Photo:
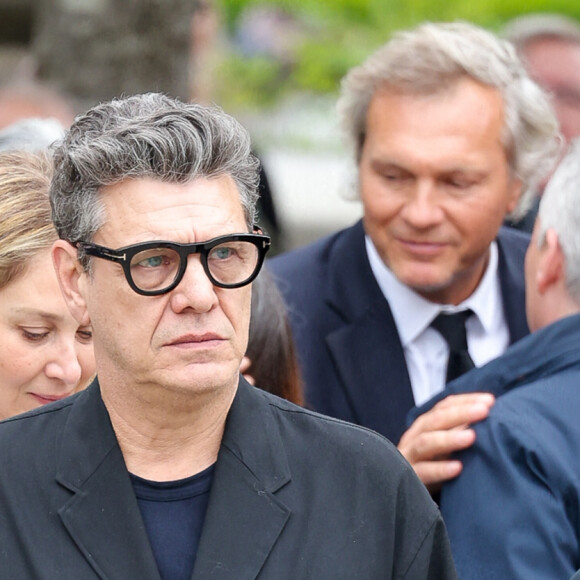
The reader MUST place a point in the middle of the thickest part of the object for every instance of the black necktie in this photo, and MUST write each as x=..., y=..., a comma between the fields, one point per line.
x=452, y=329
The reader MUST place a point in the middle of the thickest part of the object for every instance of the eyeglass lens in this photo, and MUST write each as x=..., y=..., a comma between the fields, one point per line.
x=228, y=263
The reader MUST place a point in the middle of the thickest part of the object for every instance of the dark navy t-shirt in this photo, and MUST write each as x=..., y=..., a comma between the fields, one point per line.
x=173, y=512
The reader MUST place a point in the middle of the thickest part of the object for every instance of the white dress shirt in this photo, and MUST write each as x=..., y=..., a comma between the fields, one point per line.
x=426, y=351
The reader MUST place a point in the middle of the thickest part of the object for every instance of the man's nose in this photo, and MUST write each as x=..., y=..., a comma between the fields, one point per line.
x=423, y=208
x=195, y=290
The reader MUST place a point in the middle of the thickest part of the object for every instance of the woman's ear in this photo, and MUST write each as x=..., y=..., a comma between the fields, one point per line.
x=71, y=278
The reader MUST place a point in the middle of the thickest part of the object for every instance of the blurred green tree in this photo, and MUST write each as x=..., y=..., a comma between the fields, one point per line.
x=337, y=34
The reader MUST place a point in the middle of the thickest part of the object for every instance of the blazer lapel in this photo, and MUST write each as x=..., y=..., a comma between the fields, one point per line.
x=244, y=518
x=511, y=256
x=370, y=360
x=102, y=515
x=366, y=347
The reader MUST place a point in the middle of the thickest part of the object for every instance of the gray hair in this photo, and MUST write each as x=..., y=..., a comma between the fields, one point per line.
x=149, y=135
x=31, y=134
x=560, y=210
x=427, y=59
x=531, y=27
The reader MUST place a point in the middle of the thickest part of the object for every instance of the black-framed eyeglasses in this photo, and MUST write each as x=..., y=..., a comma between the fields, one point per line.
x=157, y=267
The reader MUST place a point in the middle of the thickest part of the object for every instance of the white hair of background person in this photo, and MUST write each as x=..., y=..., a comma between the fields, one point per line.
x=560, y=210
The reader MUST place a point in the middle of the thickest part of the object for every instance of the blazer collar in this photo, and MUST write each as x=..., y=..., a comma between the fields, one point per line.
x=351, y=288
x=244, y=517
x=353, y=293
x=511, y=255
x=102, y=515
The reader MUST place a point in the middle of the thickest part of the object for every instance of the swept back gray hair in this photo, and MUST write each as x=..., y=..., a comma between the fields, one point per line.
x=560, y=210
x=149, y=135
x=431, y=57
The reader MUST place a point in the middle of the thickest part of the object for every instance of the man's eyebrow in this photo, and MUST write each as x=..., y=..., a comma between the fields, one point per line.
x=388, y=164
x=470, y=171
x=383, y=165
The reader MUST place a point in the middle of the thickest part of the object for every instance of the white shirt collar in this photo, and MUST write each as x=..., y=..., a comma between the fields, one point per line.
x=413, y=313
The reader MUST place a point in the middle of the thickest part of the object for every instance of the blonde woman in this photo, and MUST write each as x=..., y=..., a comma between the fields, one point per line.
x=44, y=354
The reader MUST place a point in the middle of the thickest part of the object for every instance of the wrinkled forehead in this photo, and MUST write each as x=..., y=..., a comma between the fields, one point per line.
x=145, y=208
x=462, y=105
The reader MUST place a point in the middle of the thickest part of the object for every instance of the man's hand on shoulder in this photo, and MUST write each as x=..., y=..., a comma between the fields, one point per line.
x=435, y=435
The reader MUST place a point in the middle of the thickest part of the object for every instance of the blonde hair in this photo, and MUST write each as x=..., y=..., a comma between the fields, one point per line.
x=25, y=226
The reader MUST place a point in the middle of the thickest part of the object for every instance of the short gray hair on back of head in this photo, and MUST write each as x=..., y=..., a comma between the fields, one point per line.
x=560, y=210
x=427, y=59
x=145, y=136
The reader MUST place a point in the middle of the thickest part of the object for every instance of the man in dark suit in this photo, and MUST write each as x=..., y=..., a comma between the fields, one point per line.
x=449, y=136
x=170, y=465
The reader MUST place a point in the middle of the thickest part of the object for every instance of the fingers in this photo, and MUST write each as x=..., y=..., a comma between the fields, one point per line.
x=454, y=411
x=429, y=454
x=435, y=435
x=433, y=445
x=434, y=473
x=467, y=398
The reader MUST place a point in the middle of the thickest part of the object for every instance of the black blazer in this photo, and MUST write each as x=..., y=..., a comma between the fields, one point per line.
x=349, y=348
x=294, y=495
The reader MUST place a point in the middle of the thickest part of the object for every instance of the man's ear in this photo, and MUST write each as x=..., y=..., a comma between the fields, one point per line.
x=514, y=194
x=71, y=278
x=551, y=266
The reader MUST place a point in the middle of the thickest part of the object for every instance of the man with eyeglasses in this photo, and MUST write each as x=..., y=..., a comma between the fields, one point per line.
x=170, y=465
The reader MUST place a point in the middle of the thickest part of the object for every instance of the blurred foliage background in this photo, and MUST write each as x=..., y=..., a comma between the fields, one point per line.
x=275, y=64
x=322, y=39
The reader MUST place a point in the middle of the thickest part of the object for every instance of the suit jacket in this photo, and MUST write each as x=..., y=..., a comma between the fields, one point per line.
x=514, y=511
x=348, y=345
x=294, y=495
